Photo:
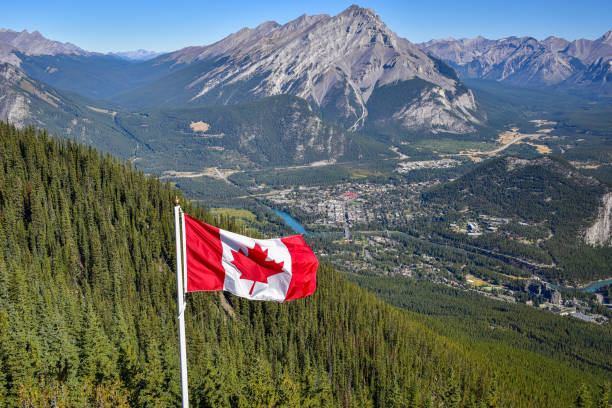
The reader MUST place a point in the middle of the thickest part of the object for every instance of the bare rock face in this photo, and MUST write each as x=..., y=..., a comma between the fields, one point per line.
x=461, y=51
x=14, y=106
x=7, y=54
x=597, y=76
x=434, y=111
x=599, y=232
x=589, y=51
x=35, y=44
x=335, y=63
x=555, y=44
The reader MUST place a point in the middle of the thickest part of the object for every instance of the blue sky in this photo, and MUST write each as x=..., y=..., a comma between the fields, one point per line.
x=113, y=25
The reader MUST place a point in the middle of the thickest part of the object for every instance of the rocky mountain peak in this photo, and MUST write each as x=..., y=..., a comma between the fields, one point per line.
x=555, y=44
x=14, y=106
x=10, y=73
x=606, y=38
x=335, y=63
x=35, y=43
x=357, y=11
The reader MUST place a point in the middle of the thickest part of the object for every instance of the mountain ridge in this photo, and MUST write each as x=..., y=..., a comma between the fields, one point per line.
x=579, y=64
x=32, y=44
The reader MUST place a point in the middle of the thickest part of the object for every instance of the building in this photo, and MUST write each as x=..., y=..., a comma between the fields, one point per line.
x=555, y=298
x=347, y=232
x=584, y=317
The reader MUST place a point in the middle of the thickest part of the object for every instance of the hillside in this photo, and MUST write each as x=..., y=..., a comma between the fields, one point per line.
x=93, y=76
x=544, y=200
x=87, y=311
x=270, y=131
x=278, y=130
x=26, y=101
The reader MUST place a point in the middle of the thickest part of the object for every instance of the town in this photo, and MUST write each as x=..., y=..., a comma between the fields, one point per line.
x=358, y=226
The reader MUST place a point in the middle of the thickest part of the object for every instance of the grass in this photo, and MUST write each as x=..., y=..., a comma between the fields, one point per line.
x=474, y=281
x=241, y=215
x=360, y=173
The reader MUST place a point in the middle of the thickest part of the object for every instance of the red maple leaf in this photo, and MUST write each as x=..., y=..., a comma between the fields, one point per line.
x=253, y=265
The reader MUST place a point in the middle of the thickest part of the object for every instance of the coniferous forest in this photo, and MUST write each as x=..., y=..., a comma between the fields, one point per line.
x=88, y=313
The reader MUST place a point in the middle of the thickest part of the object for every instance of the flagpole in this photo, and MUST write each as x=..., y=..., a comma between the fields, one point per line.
x=180, y=297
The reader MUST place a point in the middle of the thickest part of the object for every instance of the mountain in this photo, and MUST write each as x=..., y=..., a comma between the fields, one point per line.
x=137, y=55
x=589, y=51
x=7, y=54
x=597, y=77
x=518, y=60
x=344, y=66
x=34, y=44
x=88, y=313
x=279, y=130
x=580, y=64
x=68, y=67
x=13, y=105
x=335, y=63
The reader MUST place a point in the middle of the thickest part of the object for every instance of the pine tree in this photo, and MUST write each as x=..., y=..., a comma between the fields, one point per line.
x=604, y=396
x=583, y=400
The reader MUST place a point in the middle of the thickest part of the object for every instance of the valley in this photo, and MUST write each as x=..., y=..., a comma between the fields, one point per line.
x=377, y=216
x=363, y=226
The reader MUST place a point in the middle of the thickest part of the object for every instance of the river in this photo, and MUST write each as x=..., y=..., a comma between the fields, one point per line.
x=590, y=288
x=299, y=228
x=291, y=222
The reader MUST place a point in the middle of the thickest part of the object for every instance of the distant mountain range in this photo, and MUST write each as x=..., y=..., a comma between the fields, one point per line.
x=581, y=64
x=137, y=55
x=34, y=43
x=345, y=73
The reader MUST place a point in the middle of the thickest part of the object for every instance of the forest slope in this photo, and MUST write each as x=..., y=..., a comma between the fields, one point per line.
x=87, y=312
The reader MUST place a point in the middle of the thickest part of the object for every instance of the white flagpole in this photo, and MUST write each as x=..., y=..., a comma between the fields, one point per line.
x=184, y=253
x=180, y=297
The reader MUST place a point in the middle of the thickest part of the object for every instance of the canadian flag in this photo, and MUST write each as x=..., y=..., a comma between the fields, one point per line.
x=279, y=269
